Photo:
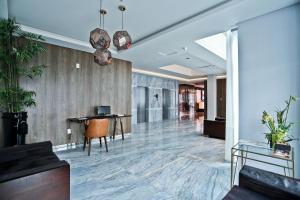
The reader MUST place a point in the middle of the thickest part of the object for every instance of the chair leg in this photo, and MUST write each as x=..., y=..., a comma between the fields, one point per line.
x=90, y=146
x=100, y=142
x=115, y=126
x=84, y=143
x=105, y=144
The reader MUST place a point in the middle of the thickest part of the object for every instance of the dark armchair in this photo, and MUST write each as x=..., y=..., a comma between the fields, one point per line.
x=215, y=128
x=33, y=171
x=259, y=184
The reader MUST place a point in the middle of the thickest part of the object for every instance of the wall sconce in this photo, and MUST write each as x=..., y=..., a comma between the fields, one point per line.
x=77, y=66
x=156, y=96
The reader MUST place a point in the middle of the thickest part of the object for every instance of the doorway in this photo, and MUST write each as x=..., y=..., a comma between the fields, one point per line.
x=141, y=93
x=166, y=104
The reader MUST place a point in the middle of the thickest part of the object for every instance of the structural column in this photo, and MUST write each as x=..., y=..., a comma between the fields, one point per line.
x=232, y=93
x=211, y=97
x=3, y=9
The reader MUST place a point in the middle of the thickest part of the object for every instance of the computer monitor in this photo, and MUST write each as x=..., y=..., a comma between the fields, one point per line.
x=102, y=110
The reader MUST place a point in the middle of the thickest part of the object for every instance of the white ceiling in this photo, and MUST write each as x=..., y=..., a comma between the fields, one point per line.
x=157, y=27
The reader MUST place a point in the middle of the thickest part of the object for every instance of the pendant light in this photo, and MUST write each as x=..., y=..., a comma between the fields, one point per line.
x=99, y=38
x=122, y=39
x=102, y=57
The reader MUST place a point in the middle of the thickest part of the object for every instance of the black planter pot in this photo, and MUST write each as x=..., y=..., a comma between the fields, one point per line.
x=271, y=145
x=15, y=128
x=283, y=148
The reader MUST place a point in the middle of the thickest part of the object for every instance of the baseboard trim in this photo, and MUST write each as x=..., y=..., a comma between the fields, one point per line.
x=70, y=146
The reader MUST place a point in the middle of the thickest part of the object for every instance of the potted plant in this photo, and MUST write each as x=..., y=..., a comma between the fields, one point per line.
x=278, y=137
x=16, y=49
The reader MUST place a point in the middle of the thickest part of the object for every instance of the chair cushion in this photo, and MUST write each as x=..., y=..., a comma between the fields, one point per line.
x=23, y=151
x=24, y=160
x=28, y=162
x=240, y=193
x=268, y=183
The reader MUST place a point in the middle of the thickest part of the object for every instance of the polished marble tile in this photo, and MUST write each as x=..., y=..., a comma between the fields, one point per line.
x=160, y=160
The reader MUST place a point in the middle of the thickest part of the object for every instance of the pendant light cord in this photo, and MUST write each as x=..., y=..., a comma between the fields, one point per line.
x=122, y=20
x=103, y=21
x=100, y=13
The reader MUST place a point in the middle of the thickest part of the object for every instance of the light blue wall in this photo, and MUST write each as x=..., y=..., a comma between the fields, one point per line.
x=269, y=71
x=155, y=85
x=3, y=9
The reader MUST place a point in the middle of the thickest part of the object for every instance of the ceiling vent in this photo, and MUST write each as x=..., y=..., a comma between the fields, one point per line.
x=181, y=70
x=210, y=69
x=170, y=53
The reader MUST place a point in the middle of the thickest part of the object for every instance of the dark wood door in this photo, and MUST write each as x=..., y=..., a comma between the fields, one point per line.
x=221, y=98
x=205, y=99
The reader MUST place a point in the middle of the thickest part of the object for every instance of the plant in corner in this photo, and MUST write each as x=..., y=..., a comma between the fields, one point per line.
x=17, y=48
x=279, y=129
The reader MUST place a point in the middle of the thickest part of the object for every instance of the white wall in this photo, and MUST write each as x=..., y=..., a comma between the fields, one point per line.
x=269, y=71
x=3, y=9
x=211, y=97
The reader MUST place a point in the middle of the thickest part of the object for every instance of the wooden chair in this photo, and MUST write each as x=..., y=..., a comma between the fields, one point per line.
x=96, y=128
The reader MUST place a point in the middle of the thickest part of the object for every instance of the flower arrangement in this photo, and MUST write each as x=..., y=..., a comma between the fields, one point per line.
x=279, y=129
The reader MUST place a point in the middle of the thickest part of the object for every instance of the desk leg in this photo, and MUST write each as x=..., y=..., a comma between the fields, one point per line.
x=69, y=136
x=122, y=131
x=293, y=170
x=235, y=170
x=115, y=126
x=231, y=169
x=293, y=165
x=245, y=159
x=242, y=158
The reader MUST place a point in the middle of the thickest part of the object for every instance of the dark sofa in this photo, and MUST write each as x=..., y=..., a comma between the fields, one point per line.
x=215, y=128
x=257, y=184
x=33, y=171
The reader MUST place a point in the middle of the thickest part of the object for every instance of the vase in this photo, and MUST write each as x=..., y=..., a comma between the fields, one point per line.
x=283, y=148
x=271, y=144
x=15, y=128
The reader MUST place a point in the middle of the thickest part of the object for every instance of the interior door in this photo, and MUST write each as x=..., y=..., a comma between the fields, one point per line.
x=141, y=104
x=166, y=103
x=221, y=98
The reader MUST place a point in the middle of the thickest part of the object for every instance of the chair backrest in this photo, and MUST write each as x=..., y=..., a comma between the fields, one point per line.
x=97, y=128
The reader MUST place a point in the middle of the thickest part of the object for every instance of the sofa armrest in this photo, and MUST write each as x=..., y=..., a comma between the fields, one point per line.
x=272, y=185
x=214, y=129
x=27, y=172
x=50, y=183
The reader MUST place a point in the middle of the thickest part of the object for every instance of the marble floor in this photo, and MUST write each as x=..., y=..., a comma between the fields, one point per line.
x=162, y=160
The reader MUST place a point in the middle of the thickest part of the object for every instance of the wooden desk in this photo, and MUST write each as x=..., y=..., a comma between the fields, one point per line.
x=114, y=117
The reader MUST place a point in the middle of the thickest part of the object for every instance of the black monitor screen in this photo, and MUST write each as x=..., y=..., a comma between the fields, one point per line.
x=102, y=110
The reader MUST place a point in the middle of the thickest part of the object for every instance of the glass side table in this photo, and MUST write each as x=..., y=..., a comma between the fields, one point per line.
x=262, y=153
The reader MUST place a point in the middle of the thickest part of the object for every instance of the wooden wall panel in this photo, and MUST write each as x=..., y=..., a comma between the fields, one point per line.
x=64, y=91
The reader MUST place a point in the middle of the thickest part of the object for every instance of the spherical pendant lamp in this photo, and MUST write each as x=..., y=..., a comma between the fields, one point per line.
x=122, y=39
x=99, y=39
x=102, y=57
